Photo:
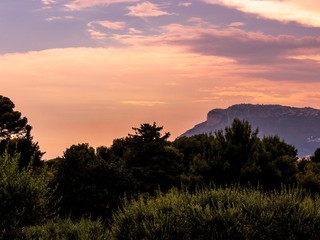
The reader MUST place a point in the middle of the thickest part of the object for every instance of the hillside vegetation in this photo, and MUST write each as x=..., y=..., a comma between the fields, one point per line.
x=231, y=184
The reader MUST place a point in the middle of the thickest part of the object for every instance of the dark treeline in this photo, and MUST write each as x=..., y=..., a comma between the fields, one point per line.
x=88, y=183
x=92, y=183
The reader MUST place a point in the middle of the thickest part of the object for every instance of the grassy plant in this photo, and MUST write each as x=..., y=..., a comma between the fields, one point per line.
x=66, y=229
x=220, y=213
x=25, y=197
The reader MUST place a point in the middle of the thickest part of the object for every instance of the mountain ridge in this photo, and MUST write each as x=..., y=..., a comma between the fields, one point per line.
x=297, y=126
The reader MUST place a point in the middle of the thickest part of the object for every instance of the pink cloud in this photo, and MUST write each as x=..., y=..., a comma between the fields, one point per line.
x=96, y=35
x=303, y=12
x=143, y=103
x=292, y=70
x=146, y=9
x=237, y=24
x=185, y=4
x=48, y=2
x=200, y=22
x=134, y=31
x=55, y=18
x=247, y=48
x=80, y=4
x=108, y=24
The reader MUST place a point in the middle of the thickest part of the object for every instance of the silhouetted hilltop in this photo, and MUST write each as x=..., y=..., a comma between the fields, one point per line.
x=297, y=126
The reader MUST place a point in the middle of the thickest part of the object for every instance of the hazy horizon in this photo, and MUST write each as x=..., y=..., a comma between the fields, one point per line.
x=86, y=71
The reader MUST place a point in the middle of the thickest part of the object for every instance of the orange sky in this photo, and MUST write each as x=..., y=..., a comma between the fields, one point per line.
x=96, y=95
x=172, y=74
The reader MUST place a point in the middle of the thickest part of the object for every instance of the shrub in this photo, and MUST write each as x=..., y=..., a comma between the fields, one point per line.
x=25, y=197
x=63, y=229
x=220, y=213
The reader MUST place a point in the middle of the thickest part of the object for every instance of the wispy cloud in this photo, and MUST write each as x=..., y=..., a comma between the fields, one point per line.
x=273, y=53
x=315, y=58
x=134, y=31
x=48, y=2
x=146, y=9
x=303, y=12
x=237, y=24
x=54, y=18
x=96, y=35
x=185, y=4
x=198, y=21
x=243, y=46
x=108, y=24
x=101, y=30
x=143, y=103
x=80, y=4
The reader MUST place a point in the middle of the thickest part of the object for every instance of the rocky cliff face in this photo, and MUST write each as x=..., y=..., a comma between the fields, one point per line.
x=297, y=126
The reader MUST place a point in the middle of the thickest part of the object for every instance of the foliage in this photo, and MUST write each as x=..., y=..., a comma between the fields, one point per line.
x=237, y=145
x=200, y=160
x=90, y=185
x=220, y=213
x=25, y=197
x=150, y=158
x=65, y=229
x=11, y=122
x=309, y=172
x=316, y=156
x=237, y=154
x=15, y=135
x=29, y=151
x=71, y=173
x=278, y=161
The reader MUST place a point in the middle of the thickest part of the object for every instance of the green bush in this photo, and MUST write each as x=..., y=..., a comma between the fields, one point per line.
x=63, y=229
x=25, y=197
x=220, y=213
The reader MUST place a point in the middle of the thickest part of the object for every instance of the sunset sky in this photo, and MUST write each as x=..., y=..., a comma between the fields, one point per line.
x=87, y=71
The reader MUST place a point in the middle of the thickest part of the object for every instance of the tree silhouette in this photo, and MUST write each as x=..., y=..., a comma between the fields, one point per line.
x=153, y=162
x=15, y=135
x=11, y=122
x=316, y=156
x=237, y=145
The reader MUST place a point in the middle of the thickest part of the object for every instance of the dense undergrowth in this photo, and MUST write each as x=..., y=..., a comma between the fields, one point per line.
x=231, y=212
x=212, y=212
x=65, y=229
x=220, y=213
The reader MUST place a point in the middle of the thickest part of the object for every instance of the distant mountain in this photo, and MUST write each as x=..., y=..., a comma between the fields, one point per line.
x=297, y=126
